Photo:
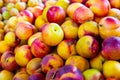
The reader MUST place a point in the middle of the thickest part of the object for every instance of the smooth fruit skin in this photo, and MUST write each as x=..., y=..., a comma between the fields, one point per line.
x=39, y=48
x=8, y=61
x=78, y=16
x=87, y=46
x=37, y=11
x=115, y=3
x=11, y=39
x=100, y=9
x=69, y=72
x=109, y=26
x=23, y=55
x=51, y=61
x=79, y=1
x=111, y=69
x=92, y=74
x=63, y=3
x=5, y=47
x=33, y=66
x=25, y=15
x=97, y=62
x=88, y=28
x=6, y=75
x=36, y=76
x=81, y=63
x=56, y=14
x=50, y=75
x=33, y=37
x=66, y=48
x=21, y=76
x=24, y=30
x=70, y=29
x=52, y=34
x=114, y=12
x=111, y=48
x=71, y=9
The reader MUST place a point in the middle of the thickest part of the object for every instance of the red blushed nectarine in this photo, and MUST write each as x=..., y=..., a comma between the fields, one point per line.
x=39, y=49
x=36, y=76
x=68, y=72
x=66, y=48
x=8, y=61
x=111, y=48
x=56, y=14
x=87, y=46
x=51, y=61
x=99, y=7
x=23, y=55
x=52, y=34
x=6, y=75
x=26, y=15
x=78, y=16
x=33, y=66
x=109, y=26
x=24, y=30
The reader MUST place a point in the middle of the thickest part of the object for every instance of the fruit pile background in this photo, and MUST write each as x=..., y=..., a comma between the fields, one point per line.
x=59, y=39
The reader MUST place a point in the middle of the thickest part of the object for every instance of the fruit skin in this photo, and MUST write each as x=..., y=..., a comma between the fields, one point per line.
x=51, y=61
x=8, y=61
x=11, y=39
x=92, y=74
x=32, y=3
x=52, y=34
x=114, y=12
x=100, y=9
x=44, y=13
x=87, y=46
x=23, y=55
x=109, y=26
x=69, y=72
x=115, y=3
x=39, y=22
x=37, y=11
x=11, y=23
x=6, y=75
x=21, y=76
x=24, y=30
x=111, y=68
x=70, y=29
x=80, y=1
x=88, y=28
x=33, y=37
x=63, y=3
x=14, y=12
x=39, y=49
x=20, y=6
x=5, y=47
x=51, y=74
x=33, y=66
x=111, y=79
x=71, y=9
x=56, y=14
x=50, y=3
x=25, y=15
x=97, y=62
x=66, y=48
x=110, y=48
x=78, y=16
x=36, y=76
x=81, y=63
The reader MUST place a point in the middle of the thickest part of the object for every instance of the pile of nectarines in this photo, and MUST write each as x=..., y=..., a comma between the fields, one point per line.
x=59, y=39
